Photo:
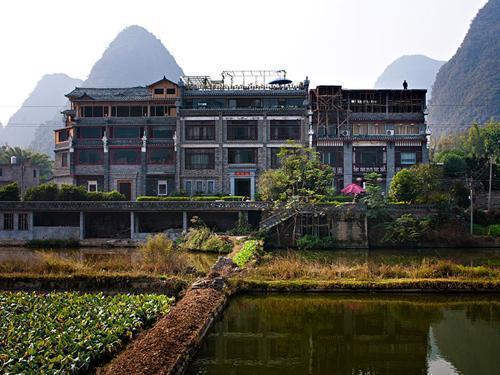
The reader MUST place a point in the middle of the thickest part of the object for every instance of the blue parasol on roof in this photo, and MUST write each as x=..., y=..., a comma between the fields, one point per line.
x=280, y=81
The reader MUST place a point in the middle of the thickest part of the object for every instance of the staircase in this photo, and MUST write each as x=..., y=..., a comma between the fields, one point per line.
x=276, y=219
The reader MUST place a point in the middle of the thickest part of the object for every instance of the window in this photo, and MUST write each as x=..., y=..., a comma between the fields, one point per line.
x=406, y=129
x=188, y=187
x=333, y=157
x=92, y=186
x=125, y=156
x=285, y=129
x=90, y=157
x=369, y=157
x=376, y=129
x=129, y=111
x=199, y=158
x=210, y=187
x=199, y=187
x=22, y=222
x=159, y=91
x=62, y=135
x=34, y=173
x=90, y=132
x=162, y=187
x=275, y=160
x=94, y=111
x=1, y=172
x=126, y=132
x=242, y=155
x=245, y=103
x=408, y=158
x=162, y=132
x=64, y=159
x=161, y=110
x=170, y=91
x=158, y=155
x=8, y=221
x=241, y=130
x=200, y=131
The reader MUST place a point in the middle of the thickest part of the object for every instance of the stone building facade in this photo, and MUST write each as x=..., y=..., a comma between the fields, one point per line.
x=230, y=134
x=119, y=139
x=214, y=136
x=22, y=173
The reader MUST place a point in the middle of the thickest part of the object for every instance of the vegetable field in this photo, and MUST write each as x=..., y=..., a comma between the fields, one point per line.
x=69, y=332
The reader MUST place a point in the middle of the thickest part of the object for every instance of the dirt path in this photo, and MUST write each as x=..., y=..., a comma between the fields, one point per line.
x=169, y=345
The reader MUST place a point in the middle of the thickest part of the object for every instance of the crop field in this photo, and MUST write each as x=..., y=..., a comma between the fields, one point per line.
x=69, y=332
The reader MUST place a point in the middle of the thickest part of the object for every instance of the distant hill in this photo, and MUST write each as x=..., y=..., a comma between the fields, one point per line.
x=418, y=70
x=42, y=104
x=467, y=88
x=134, y=58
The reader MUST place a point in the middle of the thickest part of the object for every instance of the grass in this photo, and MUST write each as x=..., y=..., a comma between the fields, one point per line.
x=294, y=266
x=381, y=285
x=248, y=251
x=69, y=332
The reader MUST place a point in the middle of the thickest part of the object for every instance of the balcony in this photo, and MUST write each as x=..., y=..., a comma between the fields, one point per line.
x=360, y=169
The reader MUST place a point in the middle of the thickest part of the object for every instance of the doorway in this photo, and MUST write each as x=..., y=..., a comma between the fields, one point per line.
x=242, y=187
x=125, y=188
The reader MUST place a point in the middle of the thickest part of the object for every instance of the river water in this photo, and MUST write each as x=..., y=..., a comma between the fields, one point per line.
x=354, y=334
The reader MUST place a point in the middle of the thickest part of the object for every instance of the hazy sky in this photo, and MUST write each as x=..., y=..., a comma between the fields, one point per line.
x=349, y=42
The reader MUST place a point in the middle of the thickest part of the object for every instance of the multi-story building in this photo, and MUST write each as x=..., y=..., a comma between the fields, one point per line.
x=362, y=131
x=119, y=139
x=230, y=133
x=217, y=136
x=23, y=173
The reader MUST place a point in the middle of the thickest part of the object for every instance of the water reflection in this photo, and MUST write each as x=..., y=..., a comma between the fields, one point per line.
x=354, y=335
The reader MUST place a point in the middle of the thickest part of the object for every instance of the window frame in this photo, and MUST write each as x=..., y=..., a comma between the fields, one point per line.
x=189, y=152
x=92, y=183
x=22, y=221
x=159, y=183
x=8, y=224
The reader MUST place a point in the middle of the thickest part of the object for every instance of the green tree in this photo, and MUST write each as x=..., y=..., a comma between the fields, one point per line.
x=374, y=197
x=38, y=160
x=419, y=184
x=9, y=192
x=404, y=187
x=301, y=177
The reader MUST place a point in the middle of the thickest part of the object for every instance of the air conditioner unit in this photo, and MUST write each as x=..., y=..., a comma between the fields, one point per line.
x=345, y=133
x=389, y=132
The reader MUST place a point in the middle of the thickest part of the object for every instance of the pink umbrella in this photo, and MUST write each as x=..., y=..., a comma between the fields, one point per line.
x=352, y=189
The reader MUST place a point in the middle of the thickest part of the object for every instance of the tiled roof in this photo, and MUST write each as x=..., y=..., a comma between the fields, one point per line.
x=110, y=94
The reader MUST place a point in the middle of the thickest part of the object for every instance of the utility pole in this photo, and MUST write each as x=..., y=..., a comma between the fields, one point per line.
x=489, y=185
x=471, y=207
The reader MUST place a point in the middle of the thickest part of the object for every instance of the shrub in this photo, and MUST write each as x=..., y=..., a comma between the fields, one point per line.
x=160, y=255
x=161, y=199
x=250, y=249
x=106, y=196
x=203, y=239
x=9, y=192
x=44, y=192
x=310, y=242
x=157, y=248
x=479, y=230
x=72, y=193
x=406, y=229
x=206, y=198
x=494, y=230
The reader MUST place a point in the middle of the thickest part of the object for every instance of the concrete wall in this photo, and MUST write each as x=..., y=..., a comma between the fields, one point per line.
x=56, y=233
